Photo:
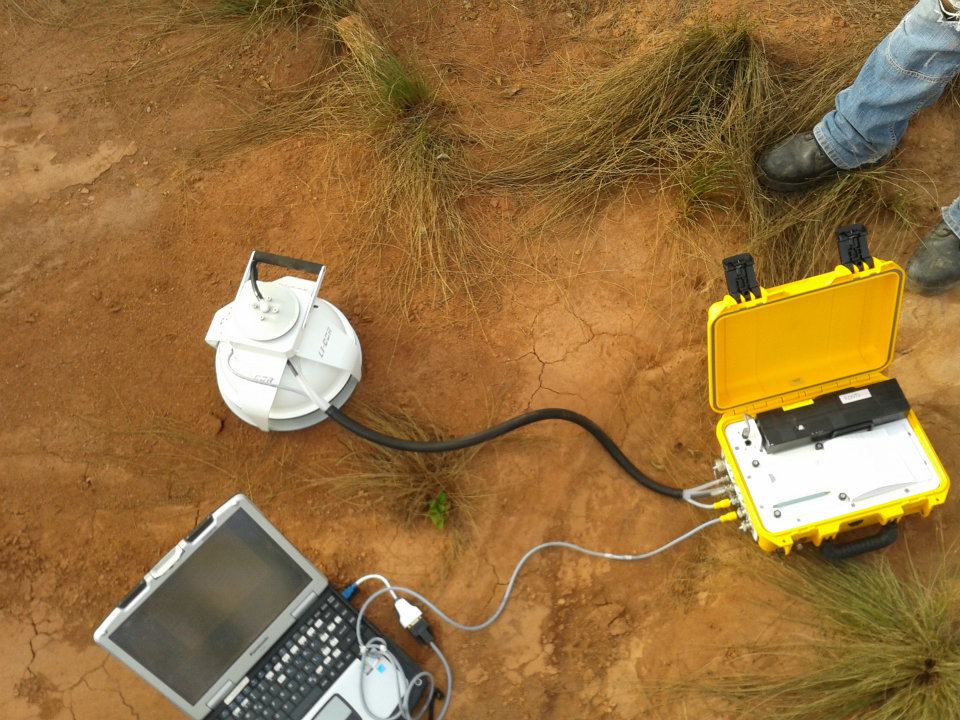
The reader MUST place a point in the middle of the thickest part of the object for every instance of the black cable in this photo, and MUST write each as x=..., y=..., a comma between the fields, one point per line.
x=502, y=429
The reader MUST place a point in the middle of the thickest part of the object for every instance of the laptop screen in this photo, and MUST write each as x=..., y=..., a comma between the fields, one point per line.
x=219, y=600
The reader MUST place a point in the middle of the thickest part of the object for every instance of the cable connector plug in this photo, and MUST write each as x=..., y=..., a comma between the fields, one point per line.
x=411, y=618
x=407, y=613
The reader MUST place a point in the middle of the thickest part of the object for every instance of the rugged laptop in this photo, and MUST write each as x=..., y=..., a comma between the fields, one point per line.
x=235, y=623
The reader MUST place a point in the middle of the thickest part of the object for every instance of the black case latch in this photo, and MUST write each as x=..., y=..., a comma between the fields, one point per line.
x=742, y=282
x=852, y=242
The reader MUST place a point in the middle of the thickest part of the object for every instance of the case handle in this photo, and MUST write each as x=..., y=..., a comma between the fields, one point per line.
x=835, y=552
x=279, y=261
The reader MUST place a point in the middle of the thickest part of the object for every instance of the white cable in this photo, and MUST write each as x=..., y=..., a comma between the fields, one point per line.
x=316, y=399
x=710, y=488
x=392, y=589
x=381, y=578
x=376, y=650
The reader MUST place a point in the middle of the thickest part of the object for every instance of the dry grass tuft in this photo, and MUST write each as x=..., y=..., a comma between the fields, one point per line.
x=279, y=13
x=415, y=187
x=184, y=41
x=418, y=183
x=879, y=646
x=620, y=124
x=440, y=487
x=693, y=116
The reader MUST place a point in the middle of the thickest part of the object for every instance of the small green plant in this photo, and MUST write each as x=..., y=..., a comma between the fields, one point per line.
x=877, y=645
x=439, y=510
x=441, y=487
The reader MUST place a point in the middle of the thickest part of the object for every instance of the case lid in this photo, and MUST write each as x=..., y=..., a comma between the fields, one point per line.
x=793, y=339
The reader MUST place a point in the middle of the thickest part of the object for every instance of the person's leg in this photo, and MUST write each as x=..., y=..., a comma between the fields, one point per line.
x=905, y=73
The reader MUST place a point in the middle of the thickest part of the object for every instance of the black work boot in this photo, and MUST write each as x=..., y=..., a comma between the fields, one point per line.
x=795, y=164
x=935, y=265
x=799, y=163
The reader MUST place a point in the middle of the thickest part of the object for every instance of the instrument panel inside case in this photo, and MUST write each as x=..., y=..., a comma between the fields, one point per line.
x=818, y=482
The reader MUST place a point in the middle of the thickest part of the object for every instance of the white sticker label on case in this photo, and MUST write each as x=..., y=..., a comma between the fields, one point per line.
x=854, y=396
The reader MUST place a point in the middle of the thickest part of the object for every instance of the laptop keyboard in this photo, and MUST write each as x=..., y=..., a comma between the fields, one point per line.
x=300, y=669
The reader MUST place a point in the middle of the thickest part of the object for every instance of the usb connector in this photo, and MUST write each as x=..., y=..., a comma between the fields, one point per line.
x=411, y=618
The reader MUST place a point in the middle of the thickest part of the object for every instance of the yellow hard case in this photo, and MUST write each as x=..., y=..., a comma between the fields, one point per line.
x=796, y=342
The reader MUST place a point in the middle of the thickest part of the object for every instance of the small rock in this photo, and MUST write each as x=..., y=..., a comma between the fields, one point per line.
x=511, y=91
x=84, y=191
x=211, y=424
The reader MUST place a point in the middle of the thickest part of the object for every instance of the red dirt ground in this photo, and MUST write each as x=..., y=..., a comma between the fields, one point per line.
x=120, y=245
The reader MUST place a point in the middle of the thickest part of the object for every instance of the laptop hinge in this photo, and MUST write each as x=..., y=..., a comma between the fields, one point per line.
x=302, y=607
x=220, y=695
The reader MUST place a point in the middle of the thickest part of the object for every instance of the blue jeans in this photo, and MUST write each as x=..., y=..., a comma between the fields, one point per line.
x=905, y=73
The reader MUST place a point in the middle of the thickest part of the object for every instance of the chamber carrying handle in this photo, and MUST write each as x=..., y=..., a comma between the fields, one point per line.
x=266, y=258
x=834, y=551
